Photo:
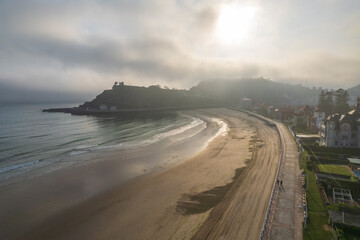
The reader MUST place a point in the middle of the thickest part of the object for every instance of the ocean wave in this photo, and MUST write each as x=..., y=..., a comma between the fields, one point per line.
x=196, y=122
x=75, y=153
x=116, y=146
x=223, y=129
x=83, y=149
x=14, y=167
x=74, y=141
x=39, y=136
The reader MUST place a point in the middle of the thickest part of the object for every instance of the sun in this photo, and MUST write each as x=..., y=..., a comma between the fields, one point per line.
x=235, y=23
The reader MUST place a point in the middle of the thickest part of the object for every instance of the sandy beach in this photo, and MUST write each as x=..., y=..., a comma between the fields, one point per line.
x=164, y=204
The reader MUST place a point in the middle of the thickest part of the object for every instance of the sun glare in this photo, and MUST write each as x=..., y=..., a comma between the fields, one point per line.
x=234, y=23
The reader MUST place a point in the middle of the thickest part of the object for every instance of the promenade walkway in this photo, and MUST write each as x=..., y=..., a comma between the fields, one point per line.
x=286, y=217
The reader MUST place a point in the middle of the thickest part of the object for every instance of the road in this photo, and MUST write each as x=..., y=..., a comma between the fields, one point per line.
x=286, y=217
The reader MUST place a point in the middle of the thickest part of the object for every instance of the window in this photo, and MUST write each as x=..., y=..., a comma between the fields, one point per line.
x=336, y=143
x=353, y=135
x=320, y=114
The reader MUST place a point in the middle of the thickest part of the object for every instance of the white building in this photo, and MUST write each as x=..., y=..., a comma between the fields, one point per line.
x=341, y=130
x=319, y=117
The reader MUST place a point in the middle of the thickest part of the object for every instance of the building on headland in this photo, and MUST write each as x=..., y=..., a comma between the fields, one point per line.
x=103, y=107
x=117, y=85
x=245, y=104
x=113, y=108
x=341, y=130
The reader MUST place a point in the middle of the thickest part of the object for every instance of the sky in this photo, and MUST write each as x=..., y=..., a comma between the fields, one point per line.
x=75, y=49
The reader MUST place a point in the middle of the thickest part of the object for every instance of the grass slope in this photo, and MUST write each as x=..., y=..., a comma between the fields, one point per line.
x=335, y=169
x=317, y=225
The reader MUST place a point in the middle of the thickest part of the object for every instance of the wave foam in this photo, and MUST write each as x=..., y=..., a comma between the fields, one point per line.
x=14, y=167
x=223, y=129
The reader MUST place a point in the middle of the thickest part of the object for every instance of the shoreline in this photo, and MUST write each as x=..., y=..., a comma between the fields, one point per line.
x=153, y=206
x=68, y=186
x=203, y=131
x=133, y=111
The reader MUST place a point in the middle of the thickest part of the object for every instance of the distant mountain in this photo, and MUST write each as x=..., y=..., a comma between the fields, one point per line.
x=355, y=91
x=259, y=89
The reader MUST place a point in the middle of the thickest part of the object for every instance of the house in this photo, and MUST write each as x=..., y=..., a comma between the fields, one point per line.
x=304, y=119
x=341, y=130
x=113, y=108
x=103, y=107
x=354, y=163
x=245, y=103
x=299, y=120
x=262, y=108
x=314, y=121
x=307, y=110
x=319, y=117
x=283, y=113
x=311, y=124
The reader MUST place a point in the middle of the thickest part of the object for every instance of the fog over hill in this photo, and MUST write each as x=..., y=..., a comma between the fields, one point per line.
x=355, y=91
x=260, y=90
x=206, y=93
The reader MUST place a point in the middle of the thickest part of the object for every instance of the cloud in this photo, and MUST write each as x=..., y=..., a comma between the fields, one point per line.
x=87, y=45
x=323, y=69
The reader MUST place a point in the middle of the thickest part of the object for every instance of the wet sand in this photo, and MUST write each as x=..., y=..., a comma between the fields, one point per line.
x=170, y=204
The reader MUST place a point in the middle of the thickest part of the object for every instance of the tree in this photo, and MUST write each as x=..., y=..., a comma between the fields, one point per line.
x=322, y=102
x=328, y=103
x=357, y=103
x=341, y=101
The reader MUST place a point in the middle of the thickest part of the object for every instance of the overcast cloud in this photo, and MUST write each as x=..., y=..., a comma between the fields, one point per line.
x=84, y=46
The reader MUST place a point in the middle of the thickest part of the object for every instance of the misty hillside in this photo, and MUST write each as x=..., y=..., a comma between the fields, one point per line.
x=354, y=91
x=133, y=97
x=206, y=93
x=260, y=90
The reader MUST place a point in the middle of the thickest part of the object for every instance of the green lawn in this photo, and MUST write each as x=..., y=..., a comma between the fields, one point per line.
x=336, y=169
x=317, y=225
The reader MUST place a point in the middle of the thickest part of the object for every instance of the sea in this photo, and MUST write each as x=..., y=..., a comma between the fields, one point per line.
x=31, y=139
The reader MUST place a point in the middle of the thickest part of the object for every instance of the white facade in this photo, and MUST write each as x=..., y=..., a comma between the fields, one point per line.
x=319, y=118
x=341, y=130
